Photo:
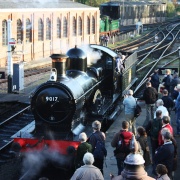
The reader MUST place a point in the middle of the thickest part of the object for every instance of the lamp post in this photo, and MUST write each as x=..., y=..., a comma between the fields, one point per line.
x=11, y=47
x=123, y=14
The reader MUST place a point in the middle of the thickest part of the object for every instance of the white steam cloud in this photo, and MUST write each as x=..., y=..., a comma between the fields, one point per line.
x=92, y=55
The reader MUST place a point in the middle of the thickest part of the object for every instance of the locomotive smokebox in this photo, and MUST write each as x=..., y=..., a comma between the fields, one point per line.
x=59, y=63
x=77, y=59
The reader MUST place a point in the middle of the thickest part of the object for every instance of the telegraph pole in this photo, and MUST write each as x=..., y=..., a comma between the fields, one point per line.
x=11, y=42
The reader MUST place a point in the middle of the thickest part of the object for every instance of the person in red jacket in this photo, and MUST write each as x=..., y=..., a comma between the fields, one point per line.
x=124, y=135
x=166, y=124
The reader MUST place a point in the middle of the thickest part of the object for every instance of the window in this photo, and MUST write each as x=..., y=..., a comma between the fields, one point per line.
x=19, y=31
x=4, y=33
x=28, y=31
x=58, y=28
x=74, y=26
x=93, y=25
x=64, y=27
x=88, y=25
x=40, y=30
x=80, y=26
x=48, y=29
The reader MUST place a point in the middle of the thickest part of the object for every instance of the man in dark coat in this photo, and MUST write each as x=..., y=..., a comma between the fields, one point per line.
x=175, y=81
x=150, y=96
x=167, y=80
x=155, y=80
x=165, y=153
x=97, y=135
x=168, y=101
x=153, y=128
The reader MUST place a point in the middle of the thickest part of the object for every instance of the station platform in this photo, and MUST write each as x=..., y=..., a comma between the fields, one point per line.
x=110, y=165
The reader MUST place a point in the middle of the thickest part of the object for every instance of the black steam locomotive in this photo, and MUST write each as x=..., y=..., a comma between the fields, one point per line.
x=81, y=88
x=76, y=93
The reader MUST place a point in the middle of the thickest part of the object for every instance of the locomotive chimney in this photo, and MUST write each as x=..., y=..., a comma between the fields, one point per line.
x=59, y=63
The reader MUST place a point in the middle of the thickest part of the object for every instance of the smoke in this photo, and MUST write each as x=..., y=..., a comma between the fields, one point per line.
x=46, y=160
x=92, y=55
x=34, y=163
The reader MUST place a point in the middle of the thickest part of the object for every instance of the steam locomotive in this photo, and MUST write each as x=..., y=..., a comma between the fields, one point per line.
x=81, y=89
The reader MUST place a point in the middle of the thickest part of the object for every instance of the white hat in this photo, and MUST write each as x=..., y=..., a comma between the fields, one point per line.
x=134, y=159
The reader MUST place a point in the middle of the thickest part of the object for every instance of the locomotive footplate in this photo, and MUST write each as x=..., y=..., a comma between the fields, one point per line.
x=110, y=107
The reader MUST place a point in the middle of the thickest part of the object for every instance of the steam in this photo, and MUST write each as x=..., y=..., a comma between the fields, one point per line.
x=92, y=55
x=37, y=160
x=34, y=162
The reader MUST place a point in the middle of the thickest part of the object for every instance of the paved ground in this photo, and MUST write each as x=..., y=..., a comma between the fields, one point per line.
x=111, y=161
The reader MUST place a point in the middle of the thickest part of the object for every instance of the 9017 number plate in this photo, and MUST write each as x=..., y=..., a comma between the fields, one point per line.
x=51, y=99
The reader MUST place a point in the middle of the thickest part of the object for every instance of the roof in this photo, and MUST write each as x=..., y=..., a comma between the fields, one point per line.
x=105, y=49
x=44, y=4
x=129, y=3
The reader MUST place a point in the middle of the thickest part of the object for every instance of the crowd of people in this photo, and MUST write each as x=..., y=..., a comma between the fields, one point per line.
x=104, y=39
x=132, y=150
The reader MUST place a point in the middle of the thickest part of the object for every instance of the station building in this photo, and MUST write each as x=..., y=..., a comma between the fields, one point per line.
x=43, y=27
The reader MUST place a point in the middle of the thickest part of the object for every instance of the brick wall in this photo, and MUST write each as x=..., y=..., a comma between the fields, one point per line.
x=42, y=49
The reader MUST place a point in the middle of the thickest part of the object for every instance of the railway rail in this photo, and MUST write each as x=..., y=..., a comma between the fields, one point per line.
x=33, y=71
x=12, y=121
x=157, y=57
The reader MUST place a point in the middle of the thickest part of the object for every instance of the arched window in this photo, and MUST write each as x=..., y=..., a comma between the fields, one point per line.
x=19, y=31
x=64, y=27
x=40, y=30
x=48, y=29
x=88, y=25
x=28, y=31
x=4, y=33
x=93, y=25
x=80, y=26
x=58, y=28
x=74, y=26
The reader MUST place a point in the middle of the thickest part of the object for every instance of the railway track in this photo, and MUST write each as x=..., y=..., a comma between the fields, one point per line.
x=11, y=121
x=32, y=71
x=160, y=56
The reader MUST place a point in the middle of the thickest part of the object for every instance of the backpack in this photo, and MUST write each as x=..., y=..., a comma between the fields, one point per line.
x=155, y=128
x=123, y=146
x=137, y=111
x=99, y=151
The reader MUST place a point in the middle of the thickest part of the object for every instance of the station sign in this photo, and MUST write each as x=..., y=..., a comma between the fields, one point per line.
x=2, y=75
x=12, y=41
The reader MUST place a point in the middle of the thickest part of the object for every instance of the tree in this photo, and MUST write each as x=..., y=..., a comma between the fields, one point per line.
x=170, y=9
x=95, y=3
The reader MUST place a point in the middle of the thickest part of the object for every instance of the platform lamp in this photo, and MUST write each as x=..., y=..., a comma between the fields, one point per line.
x=11, y=48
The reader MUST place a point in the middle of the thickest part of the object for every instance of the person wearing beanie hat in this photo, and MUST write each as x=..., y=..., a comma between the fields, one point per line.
x=97, y=135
